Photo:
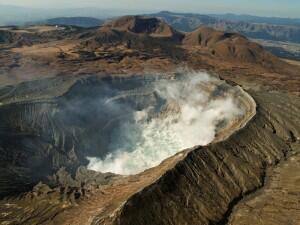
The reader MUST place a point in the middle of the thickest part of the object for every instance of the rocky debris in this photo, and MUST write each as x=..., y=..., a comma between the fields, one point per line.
x=59, y=192
x=71, y=188
x=86, y=179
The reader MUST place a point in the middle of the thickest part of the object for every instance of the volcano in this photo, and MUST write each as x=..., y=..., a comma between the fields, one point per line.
x=134, y=122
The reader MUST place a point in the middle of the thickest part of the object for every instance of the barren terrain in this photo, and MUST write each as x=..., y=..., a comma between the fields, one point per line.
x=249, y=173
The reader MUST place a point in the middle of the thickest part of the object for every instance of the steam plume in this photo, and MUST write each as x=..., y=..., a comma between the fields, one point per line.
x=196, y=107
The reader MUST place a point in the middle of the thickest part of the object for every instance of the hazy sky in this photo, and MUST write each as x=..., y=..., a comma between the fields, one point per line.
x=287, y=8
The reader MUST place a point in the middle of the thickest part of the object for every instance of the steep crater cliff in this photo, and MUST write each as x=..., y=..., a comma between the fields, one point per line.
x=115, y=125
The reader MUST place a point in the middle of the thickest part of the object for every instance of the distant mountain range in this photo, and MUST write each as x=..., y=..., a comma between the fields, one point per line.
x=13, y=15
x=188, y=22
x=263, y=27
x=257, y=19
x=266, y=28
x=75, y=21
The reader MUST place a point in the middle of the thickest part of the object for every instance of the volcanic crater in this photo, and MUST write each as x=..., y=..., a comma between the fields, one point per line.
x=88, y=137
x=122, y=125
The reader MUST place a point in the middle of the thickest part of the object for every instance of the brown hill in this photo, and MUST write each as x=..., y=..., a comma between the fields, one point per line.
x=133, y=35
x=228, y=45
x=137, y=43
x=260, y=29
x=146, y=34
x=144, y=25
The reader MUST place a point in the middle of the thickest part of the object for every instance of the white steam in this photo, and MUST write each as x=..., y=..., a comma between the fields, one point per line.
x=191, y=118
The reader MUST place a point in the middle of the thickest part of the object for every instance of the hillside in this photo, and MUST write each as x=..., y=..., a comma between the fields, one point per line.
x=147, y=34
x=228, y=46
x=132, y=43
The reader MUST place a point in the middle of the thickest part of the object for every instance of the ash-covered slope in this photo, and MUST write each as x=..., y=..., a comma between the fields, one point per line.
x=54, y=123
x=204, y=187
x=201, y=185
x=228, y=45
x=47, y=134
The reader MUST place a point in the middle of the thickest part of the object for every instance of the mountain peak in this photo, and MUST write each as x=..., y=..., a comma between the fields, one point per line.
x=142, y=24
